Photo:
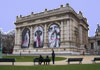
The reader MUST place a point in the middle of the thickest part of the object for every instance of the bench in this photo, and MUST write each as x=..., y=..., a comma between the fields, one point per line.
x=43, y=60
x=74, y=60
x=7, y=60
x=47, y=60
x=36, y=60
x=96, y=59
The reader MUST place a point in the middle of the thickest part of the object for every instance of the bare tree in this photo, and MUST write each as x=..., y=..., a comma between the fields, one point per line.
x=8, y=42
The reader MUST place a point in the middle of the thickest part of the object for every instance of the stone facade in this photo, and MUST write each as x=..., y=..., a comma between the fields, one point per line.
x=94, y=43
x=73, y=30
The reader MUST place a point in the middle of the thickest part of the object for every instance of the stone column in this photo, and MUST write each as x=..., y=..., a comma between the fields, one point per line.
x=31, y=37
x=16, y=41
x=17, y=45
x=16, y=36
x=68, y=33
x=45, y=36
x=87, y=36
x=70, y=30
x=19, y=38
x=80, y=34
x=62, y=29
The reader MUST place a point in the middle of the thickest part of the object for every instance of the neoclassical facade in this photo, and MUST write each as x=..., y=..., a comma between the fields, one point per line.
x=94, y=43
x=61, y=29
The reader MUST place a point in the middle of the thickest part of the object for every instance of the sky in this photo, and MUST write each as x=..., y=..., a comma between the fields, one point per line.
x=9, y=9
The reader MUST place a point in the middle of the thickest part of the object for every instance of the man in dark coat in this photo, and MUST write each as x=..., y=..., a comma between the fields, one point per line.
x=53, y=57
x=40, y=60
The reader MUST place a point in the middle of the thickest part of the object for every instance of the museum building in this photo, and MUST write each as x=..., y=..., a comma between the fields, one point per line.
x=94, y=43
x=61, y=29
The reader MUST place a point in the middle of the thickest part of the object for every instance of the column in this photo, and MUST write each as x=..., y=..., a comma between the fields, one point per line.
x=65, y=31
x=19, y=38
x=31, y=37
x=68, y=33
x=45, y=36
x=62, y=33
x=16, y=36
x=70, y=30
x=69, y=22
x=80, y=34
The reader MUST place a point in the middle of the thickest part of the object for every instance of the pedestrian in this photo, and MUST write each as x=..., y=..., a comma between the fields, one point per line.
x=53, y=57
x=40, y=60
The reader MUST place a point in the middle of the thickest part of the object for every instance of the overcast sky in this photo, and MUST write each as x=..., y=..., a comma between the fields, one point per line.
x=9, y=9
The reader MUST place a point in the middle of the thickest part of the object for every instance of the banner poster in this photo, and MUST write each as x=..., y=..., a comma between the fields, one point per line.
x=25, y=38
x=38, y=37
x=54, y=36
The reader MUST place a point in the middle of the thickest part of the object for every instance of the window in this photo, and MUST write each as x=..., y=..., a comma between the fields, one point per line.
x=92, y=45
x=98, y=43
x=85, y=47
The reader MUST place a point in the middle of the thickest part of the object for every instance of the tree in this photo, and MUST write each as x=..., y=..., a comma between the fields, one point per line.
x=8, y=41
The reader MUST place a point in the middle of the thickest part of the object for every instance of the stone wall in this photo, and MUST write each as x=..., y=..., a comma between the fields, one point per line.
x=73, y=30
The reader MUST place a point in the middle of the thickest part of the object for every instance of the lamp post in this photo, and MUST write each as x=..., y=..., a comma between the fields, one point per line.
x=0, y=45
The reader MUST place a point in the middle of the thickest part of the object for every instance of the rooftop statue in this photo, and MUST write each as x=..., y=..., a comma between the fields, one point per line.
x=98, y=29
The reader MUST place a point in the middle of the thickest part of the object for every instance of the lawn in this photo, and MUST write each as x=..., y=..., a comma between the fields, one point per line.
x=30, y=58
x=54, y=67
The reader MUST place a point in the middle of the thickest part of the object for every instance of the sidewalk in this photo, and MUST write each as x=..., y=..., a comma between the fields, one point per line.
x=86, y=60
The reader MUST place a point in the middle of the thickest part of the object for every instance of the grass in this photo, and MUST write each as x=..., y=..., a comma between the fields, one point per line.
x=54, y=67
x=30, y=58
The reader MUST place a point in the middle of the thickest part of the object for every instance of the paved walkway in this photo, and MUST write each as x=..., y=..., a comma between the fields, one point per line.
x=86, y=60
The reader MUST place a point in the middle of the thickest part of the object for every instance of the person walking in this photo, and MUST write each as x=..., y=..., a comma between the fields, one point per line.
x=53, y=57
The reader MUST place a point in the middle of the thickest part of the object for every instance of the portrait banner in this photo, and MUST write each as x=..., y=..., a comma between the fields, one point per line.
x=38, y=37
x=54, y=36
x=25, y=38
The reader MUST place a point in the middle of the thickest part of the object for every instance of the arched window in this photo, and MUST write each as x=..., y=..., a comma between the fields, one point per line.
x=38, y=37
x=25, y=38
x=54, y=36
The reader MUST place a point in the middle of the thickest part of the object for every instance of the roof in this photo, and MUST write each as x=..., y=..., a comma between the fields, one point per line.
x=47, y=13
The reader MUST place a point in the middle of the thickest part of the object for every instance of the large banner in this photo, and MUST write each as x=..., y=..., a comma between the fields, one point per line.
x=25, y=38
x=54, y=36
x=38, y=37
